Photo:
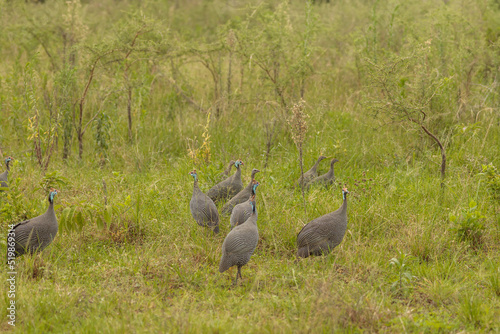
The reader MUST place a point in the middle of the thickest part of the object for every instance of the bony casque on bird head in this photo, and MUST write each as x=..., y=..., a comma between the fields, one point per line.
x=344, y=193
x=52, y=193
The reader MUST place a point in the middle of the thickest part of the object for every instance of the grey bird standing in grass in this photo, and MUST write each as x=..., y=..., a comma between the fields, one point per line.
x=4, y=177
x=241, y=197
x=240, y=243
x=203, y=208
x=243, y=211
x=225, y=174
x=229, y=187
x=323, y=234
x=33, y=235
x=311, y=173
x=326, y=179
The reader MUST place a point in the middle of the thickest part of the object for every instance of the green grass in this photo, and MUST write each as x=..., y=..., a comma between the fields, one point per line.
x=155, y=270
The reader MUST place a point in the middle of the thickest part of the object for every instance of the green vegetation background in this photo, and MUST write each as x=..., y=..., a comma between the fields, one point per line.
x=114, y=102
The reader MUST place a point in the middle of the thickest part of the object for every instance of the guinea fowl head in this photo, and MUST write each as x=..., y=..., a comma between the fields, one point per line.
x=193, y=174
x=344, y=193
x=334, y=161
x=7, y=160
x=255, y=184
x=321, y=157
x=238, y=163
x=53, y=192
x=255, y=171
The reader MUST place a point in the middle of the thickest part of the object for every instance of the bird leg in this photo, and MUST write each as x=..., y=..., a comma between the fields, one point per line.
x=236, y=279
x=239, y=273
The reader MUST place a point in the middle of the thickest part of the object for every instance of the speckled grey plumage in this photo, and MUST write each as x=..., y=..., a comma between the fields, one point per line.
x=239, y=245
x=35, y=234
x=323, y=234
x=203, y=208
x=326, y=179
x=241, y=197
x=311, y=173
x=241, y=212
x=4, y=177
x=227, y=188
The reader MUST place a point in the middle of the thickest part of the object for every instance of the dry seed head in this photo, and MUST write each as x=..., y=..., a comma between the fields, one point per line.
x=231, y=39
x=298, y=123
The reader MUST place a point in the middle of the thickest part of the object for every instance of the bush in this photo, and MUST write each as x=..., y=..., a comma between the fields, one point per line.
x=470, y=225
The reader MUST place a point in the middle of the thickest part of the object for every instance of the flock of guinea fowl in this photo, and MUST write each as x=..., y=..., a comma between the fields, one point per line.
x=318, y=237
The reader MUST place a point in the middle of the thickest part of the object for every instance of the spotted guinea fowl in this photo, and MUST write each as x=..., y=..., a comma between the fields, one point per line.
x=311, y=173
x=229, y=187
x=241, y=197
x=4, y=177
x=33, y=235
x=323, y=234
x=203, y=208
x=243, y=211
x=240, y=244
x=326, y=179
x=225, y=174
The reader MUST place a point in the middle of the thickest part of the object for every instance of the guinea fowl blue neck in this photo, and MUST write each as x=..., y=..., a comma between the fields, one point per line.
x=195, y=185
x=254, y=188
x=344, y=196
x=52, y=194
x=237, y=164
x=7, y=162
x=254, y=209
x=344, y=193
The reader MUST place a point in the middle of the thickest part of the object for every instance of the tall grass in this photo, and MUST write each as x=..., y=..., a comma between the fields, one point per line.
x=132, y=259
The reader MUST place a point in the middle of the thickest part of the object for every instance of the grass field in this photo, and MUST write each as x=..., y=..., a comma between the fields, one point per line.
x=205, y=82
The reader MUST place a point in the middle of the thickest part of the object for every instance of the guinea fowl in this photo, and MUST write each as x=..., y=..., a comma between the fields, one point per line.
x=326, y=179
x=243, y=211
x=323, y=234
x=33, y=235
x=240, y=243
x=229, y=187
x=311, y=173
x=203, y=208
x=225, y=174
x=4, y=177
x=241, y=197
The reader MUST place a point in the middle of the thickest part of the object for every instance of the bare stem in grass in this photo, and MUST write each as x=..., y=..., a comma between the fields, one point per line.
x=298, y=127
x=105, y=191
x=270, y=137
